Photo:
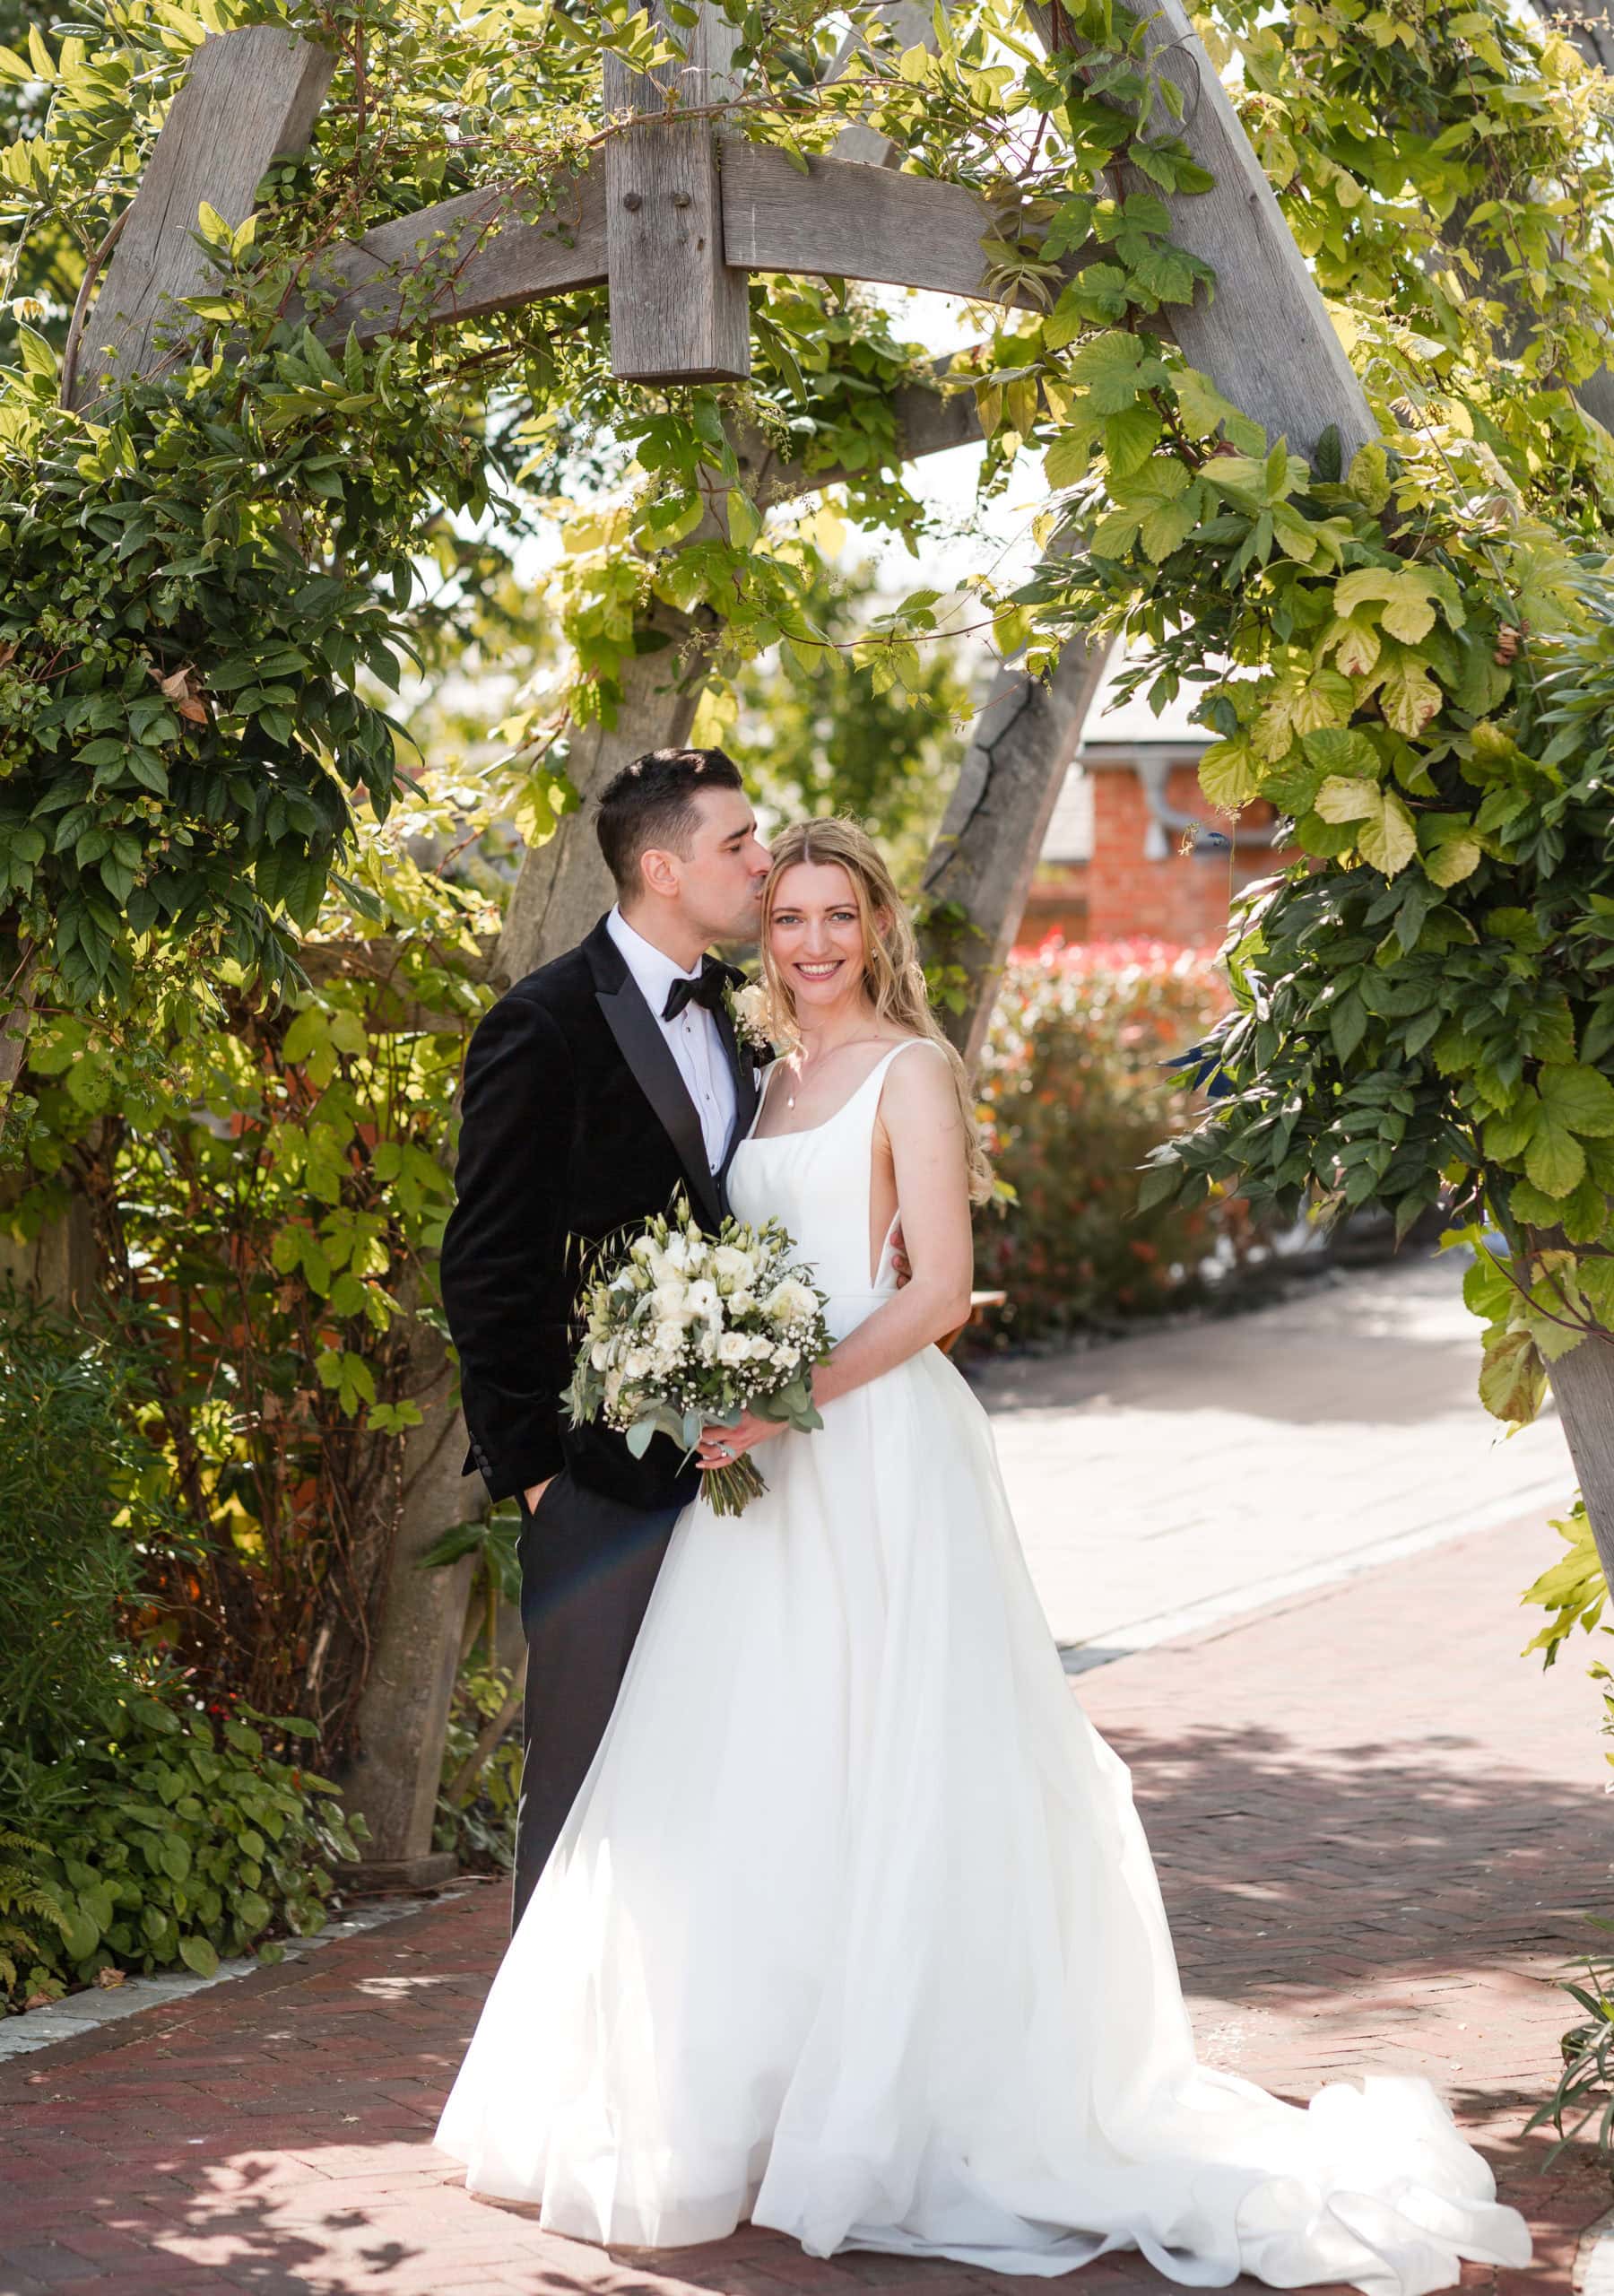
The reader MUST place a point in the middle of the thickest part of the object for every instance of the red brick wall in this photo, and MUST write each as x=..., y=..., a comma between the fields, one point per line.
x=1181, y=897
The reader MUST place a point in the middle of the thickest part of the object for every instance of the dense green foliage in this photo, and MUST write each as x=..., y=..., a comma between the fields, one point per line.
x=81, y=1502
x=266, y=1198
x=1075, y=1090
x=161, y=1838
x=139, y=1828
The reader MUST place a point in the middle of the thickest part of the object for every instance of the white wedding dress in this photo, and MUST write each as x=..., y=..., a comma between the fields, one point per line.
x=852, y=1930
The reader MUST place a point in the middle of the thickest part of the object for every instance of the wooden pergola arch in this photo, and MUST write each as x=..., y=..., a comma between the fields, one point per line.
x=672, y=216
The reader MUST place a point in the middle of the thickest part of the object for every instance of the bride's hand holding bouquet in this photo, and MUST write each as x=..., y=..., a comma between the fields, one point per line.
x=686, y=1332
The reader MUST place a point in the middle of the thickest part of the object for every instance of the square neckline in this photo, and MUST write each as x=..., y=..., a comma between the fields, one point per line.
x=805, y=1131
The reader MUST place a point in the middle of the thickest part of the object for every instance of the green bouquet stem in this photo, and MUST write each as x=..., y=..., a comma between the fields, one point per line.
x=729, y=1490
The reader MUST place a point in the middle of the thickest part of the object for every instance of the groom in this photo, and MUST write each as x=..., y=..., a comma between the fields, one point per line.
x=595, y=1090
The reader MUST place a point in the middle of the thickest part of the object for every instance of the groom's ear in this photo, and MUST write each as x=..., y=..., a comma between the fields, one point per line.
x=659, y=870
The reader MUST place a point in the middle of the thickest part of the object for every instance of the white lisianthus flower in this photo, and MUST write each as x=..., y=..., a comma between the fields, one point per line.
x=701, y=1300
x=668, y=1341
x=790, y=1302
x=677, y=1254
x=742, y=1303
x=669, y=1302
x=705, y=1346
x=733, y=1347
x=637, y=1362
x=732, y=1266
x=599, y=1354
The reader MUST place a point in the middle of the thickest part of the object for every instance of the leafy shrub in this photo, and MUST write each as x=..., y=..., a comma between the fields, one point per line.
x=74, y=1471
x=1074, y=1087
x=163, y=1839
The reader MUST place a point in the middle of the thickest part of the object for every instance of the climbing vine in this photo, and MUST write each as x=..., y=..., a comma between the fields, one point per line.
x=216, y=579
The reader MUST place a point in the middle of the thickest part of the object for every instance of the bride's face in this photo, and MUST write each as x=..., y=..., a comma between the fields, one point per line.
x=815, y=937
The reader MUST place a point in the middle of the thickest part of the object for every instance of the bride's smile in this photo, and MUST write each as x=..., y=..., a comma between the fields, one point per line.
x=816, y=939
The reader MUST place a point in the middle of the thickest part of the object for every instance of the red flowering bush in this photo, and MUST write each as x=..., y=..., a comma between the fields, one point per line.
x=1076, y=1093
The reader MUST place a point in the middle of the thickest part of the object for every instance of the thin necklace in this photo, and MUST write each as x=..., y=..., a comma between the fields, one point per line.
x=790, y=1097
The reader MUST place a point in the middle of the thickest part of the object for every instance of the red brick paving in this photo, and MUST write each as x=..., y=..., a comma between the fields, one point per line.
x=1379, y=1832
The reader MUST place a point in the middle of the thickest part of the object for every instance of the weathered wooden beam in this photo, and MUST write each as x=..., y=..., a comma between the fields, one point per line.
x=1264, y=336
x=984, y=859
x=911, y=25
x=678, y=312
x=484, y=251
x=250, y=97
x=842, y=220
x=493, y=251
x=1589, y=25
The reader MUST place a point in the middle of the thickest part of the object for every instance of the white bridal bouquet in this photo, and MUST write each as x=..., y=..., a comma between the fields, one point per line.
x=687, y=1330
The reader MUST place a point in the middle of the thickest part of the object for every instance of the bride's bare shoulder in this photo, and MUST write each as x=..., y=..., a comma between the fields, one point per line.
x=920, y=1091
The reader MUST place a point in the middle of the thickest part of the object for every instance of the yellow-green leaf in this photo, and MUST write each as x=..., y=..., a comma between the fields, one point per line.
x=1409, y=696
x=1228, y=774
x=1580, y=1097
x=1554, y=1161
x=743, y=524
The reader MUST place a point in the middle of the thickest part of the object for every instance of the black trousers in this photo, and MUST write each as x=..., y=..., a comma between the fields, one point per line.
x=589, y=1564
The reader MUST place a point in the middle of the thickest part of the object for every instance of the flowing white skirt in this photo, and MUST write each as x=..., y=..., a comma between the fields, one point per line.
x=853, y=1931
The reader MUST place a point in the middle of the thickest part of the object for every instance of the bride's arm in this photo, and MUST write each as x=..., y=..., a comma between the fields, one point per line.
x=919, y=1115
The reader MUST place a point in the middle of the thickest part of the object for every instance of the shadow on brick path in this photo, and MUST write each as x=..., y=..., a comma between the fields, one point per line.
x=1378, y=1829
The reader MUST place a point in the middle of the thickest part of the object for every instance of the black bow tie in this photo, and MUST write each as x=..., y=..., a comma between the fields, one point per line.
x=707, y=988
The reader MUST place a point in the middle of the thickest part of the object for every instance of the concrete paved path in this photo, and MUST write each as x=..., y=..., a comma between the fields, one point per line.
x=1193, y=1474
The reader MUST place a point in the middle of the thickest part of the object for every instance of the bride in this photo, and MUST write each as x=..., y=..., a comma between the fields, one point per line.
x=852, y=1929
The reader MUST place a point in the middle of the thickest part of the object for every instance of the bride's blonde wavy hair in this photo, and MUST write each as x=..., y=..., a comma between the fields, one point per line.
x=893, y=979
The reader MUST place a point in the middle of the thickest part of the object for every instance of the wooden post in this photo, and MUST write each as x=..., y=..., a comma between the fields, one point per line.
x=250, y=97
x=677, y=313
x=393, y=1778
x=984, y=859
x=1265, y=337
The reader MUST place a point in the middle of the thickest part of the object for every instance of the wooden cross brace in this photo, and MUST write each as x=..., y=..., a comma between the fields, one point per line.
x=675, y=215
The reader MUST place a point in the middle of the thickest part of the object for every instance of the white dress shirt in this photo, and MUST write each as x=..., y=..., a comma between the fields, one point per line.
x=692, y=1037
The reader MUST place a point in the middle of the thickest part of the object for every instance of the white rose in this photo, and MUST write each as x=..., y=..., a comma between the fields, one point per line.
x=786, y=1357
x=742, y=1303
x=732, y=1266
x=761, y=1351
x=753, y=1013
x=733, y=1347
x=637, y=1362
x=790, y=1302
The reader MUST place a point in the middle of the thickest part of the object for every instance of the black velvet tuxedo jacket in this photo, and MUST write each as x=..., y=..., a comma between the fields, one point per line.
x=575, y=1122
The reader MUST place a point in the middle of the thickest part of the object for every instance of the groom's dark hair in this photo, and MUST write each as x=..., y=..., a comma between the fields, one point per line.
x=651, y=803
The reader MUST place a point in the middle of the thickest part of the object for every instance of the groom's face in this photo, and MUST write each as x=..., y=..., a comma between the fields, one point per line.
x=722, y=875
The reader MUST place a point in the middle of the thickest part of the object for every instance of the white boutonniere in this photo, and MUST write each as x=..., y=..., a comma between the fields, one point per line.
x=751, y=1010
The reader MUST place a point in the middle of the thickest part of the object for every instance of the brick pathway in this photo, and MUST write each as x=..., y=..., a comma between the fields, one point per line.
x=1379, y=1830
